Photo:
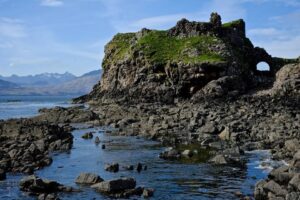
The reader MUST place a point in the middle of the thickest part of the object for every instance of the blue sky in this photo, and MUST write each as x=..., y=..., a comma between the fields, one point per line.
x=39, y=36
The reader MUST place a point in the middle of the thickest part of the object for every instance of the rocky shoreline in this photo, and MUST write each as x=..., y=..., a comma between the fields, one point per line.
x=226, y=127
x=26, y=144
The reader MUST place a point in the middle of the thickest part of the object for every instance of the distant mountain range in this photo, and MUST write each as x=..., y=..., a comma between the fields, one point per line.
x=7, y=84
x=49, y=84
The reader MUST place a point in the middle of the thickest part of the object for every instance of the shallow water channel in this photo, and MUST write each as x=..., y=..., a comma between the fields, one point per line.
x=170, y=179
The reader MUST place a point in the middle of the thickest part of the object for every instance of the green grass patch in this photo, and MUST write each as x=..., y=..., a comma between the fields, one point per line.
x=158, y=47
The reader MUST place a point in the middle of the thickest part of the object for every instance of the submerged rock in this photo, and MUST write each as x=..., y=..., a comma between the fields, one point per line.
x=114, y=167
x=88, y=135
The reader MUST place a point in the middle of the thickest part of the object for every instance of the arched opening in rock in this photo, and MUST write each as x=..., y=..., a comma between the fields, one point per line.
x=263, y=67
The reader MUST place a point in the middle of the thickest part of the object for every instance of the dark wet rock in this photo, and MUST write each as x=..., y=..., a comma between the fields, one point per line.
x=97, y=140
x=88, y=179
x=2, y=175
x=114, y=167
x=149, y=192
x=35, y=185
x=115, y=186
x=103, y=146
x=88, y=135
x=139, y=167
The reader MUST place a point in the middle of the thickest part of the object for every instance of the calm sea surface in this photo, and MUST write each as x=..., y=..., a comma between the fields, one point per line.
x=171, y=180
x=27, y=106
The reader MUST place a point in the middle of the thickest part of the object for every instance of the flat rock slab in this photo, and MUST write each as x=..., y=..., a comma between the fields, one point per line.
x=88, y=179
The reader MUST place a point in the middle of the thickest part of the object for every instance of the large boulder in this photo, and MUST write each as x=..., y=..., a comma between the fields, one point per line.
x=116, y=185
x=287, y=80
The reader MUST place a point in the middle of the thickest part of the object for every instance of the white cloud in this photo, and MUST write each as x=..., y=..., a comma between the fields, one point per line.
x=158, y=20
x=289, y=48
x=52, y=3
x=12, y=28
x=264, y=32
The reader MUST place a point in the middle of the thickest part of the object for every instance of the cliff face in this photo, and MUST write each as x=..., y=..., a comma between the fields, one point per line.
x=161, y=66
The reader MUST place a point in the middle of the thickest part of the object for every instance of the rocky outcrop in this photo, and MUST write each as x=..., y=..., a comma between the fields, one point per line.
x=26, y=143
x=76, y=114
x=190, y=58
